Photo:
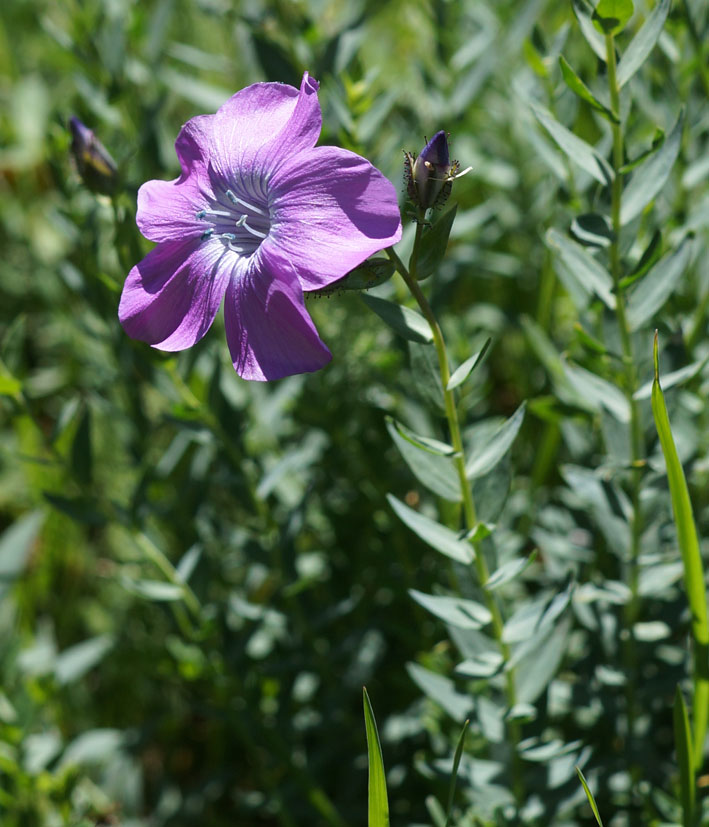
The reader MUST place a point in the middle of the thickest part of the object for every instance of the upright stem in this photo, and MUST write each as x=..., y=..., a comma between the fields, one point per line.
x=469, y=512
x=637, y=447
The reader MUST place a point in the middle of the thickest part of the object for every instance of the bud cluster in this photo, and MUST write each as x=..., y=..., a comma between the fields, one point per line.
x=429, y=177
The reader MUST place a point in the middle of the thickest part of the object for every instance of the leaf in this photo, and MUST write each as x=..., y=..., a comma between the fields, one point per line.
x=598, y=392
x=16, y=544
x=368, y=274
x=574, y=82
x=642, y=44
x=595, y=40
x=9, y=385
x=651, y=254
x=691, y=558
x=509, y=571
x=589, y=796
x=93, y=747
x=578, y=150
x=483, y=665
x=378, y=805
x=591, y=274
x=610, y=16
x=683, y=745
x=462, y=372
x=156, y=590
x=432, y=247
x=650, y=177
x=81, y=509
x=657, y=142
x=437, y=473
x=464, y=614
x=669, y=380
x=657, y=286
x=592, y=230
x=404, y=321
x=74, y=662
x=486, y=458
x=434, y=534
x=454, y=772
x=442, y=691
x=432, y=446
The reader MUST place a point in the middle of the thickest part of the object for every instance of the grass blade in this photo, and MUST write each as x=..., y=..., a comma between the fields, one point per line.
x=378, y=809
x=683, y=745
x=589, y=796
x=454, y=774
x=692, y=561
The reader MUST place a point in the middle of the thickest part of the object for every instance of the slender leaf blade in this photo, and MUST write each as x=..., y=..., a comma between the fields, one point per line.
x=650, y=177
x=378, y=804
x=643, y=42
x=463, y=371
x=434, y=243
x=574, y=82
x=589, y=272
x=685, y=760
x=589, y=796
x=434, y=534
x=402, y=320
x=484, y=460
x=454, y=772
x=436, y=472
x=656, y=287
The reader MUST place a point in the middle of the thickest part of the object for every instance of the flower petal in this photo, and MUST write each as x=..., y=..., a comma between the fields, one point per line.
x=268, y=329
x=171, y=297
x=331, y=209
x=167, y=209
x=262, y=126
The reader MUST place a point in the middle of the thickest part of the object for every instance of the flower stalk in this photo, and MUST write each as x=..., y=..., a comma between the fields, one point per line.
x=469, y=511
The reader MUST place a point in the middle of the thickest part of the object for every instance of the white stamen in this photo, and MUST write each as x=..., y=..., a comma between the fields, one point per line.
x=236, y=200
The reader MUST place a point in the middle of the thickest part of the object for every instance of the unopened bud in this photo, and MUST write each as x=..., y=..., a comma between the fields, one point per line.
x=95, y=165
x=429, y=177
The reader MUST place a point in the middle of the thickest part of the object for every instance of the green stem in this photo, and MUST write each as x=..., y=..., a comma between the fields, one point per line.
x=637, y=446
x=471, y=520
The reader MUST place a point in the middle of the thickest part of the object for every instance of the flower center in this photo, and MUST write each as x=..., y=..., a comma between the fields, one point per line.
x=241, y=224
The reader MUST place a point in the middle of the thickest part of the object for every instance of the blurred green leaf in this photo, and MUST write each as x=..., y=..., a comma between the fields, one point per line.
x=591, y=275
x=650, y=295
x=465, y=614
x=649, y=178
x=81, y=453
x=486, y=457
x=454, y=772
x=73, y=663
x=436, y=472
x=577, y=149
x=642, y=44
x=509, y=571
x=589, y=796
x=402, y=320
x=463, y=371
x=583, y=11
x=433, y=244
x=432, y=446
x=574, y=82
x=434, y=534
x=610, y=16
x=685, y=752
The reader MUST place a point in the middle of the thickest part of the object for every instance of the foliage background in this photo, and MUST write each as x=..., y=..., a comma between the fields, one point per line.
x=125, y=699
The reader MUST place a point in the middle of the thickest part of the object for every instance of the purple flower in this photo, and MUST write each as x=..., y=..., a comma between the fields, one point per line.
x=258, y=215
x=430, y=176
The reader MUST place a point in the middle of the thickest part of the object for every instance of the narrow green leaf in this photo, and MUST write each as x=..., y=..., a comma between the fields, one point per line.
x=650, y=177
x=599, y=393
x=442, y=691
x=589, y=272
x=683, y=745
x=643, y=42
x=434, y=534
x=155, y=590
x=574, y=82
x=368, y=274
x=589, y=796
x=509, y=571
x=650, y=256
x=425, y=443
x=454, y=773
x=464, y=614
x=81, y=509
x=9, y=385
x=592, y=230
x=404, y=321
x=577, y=149
x=583, y=12
x=378, y=804
x=436, y=472
x=657, y=143
x=589, y=341
x=669, y=380
x=692, y=561
x=653, y=291
x=487, y=456
x=462, y=372
x=74, y=662
x=433, y=244
x=610, y=16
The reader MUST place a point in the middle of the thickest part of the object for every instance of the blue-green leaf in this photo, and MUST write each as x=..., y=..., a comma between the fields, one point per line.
x=650, y=177
x=643, y=42
x=685, y=760
x=577, y=149
x=574, y=82
x=462, y=372
x=433, y=244
x=434, y=534
x=465, y=614
x=590, y=274
x=436, y=472
x=404, y=321
x=656, y=287
x=487, y=456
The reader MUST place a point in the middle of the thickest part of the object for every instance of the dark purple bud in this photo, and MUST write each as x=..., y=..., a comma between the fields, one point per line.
x=95, y=165
x=430, y=176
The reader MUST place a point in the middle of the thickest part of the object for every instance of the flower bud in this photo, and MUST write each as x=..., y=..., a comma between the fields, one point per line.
x=429, y=177
x=95, y=165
